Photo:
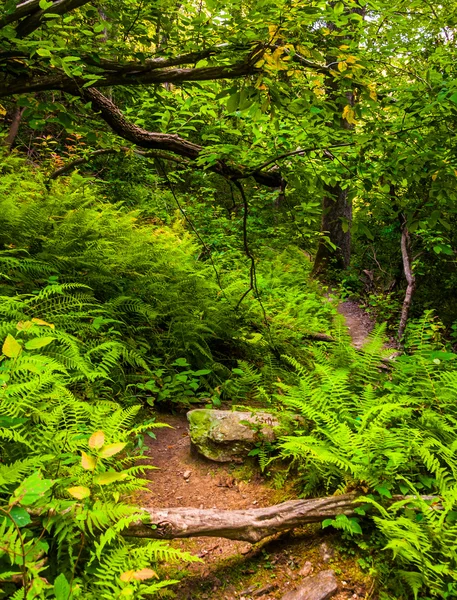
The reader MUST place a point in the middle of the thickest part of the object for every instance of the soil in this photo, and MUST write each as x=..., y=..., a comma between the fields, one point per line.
x=358, y=322
x=236, y=570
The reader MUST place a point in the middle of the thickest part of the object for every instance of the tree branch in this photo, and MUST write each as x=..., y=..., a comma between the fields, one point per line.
x=84, y=159
x=133, y=67
x=111, y=114
x=71, y=85
x=22, y=10
x=297, y=152
x=60, y=7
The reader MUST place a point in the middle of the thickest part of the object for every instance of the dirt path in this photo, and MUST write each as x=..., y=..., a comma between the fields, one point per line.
x=358, y=322
x=235, y=570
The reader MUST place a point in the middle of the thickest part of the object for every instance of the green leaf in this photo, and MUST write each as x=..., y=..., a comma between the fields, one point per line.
x=62, y=588
x=11, y=421
x=232, y=102
x=11, y=347
x=31, y=490
x=39, y=342
x=43, y=52
x=383, y=491
x=45, y=4
x=20, y=516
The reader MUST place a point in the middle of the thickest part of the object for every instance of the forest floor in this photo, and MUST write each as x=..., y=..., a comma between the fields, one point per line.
x=238, y=570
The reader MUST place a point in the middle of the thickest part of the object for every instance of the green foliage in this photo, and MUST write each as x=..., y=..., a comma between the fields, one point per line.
x=386, y=428
x=68, y=462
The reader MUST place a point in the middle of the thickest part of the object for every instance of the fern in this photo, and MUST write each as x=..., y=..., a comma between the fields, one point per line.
x=386, y=431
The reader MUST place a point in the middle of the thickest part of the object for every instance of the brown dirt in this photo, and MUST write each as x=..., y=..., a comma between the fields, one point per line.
x=233, y=570
x=358, y=322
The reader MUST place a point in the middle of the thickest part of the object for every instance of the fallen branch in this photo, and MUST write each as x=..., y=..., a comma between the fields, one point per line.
x=250, y=525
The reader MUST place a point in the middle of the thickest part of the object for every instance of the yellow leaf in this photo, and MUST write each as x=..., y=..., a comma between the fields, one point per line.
x=349, y=115
x=434, y=176
x=79, y=492
x=2, y=111
x=342, y=66
x=87, y=462
x=97, y=439
x=145, y=574
x=11, y=347
x=138, y=575
x=344, y=47
x=373, y=94
x=127, y=575
x=24, y=325
x=273, y=31
x=109, y=477
x=112, y=449
x=351, y=59
x=41, y=322
x=259, y=63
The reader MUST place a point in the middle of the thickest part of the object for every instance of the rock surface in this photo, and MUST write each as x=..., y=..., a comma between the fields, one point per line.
x=318, y=587
x=226, y=436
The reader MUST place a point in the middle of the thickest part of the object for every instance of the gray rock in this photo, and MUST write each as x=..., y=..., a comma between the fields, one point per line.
x=326, y=552
x=227, y=436
x=318, y=587
x=306, y=570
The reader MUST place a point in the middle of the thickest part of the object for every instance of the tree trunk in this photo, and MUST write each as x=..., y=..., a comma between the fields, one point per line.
x=336, y=206
x=14, y=128
x=336, y=219
x=250, y=525
x=410, y=278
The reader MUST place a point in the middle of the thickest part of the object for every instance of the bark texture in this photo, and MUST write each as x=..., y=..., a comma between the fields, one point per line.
x=336, y=209
x=250, y=525
x=14, y=128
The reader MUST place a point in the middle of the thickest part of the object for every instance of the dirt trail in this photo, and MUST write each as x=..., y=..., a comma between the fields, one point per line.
x=234, y=570
x=237, y=570
x=358, y=322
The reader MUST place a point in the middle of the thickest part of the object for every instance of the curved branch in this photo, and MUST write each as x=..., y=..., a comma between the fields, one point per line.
x=111, y=114
x=84, y=159
x=297, y=152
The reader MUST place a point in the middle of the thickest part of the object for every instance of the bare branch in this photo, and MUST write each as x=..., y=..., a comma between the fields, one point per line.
x=297, y=152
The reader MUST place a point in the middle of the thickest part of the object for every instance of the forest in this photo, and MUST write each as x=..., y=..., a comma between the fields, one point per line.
x=228, y=299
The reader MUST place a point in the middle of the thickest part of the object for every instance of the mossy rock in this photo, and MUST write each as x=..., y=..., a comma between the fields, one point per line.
x=229, y=436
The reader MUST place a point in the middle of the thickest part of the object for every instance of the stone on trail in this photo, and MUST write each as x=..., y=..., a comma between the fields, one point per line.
x=229, y=436
x=318, y=587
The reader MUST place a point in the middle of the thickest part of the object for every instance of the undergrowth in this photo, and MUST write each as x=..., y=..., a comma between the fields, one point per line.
x=385, y=428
